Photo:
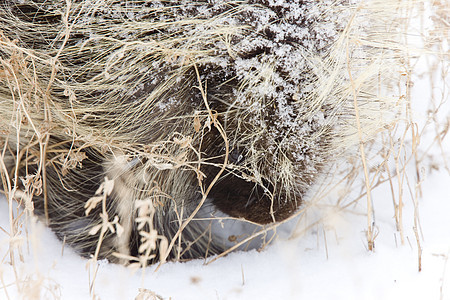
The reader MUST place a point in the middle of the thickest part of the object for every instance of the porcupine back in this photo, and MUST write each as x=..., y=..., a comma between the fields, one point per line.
x=136, y=113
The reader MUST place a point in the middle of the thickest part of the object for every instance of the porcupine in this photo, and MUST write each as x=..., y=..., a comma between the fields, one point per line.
x=177, y=104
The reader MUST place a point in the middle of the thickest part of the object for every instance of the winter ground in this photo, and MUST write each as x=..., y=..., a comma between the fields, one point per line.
x=289, y=269
x=330, y=260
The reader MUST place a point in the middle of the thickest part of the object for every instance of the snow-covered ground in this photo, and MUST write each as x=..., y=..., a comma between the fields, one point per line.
x=329, y=261
x=300, y=268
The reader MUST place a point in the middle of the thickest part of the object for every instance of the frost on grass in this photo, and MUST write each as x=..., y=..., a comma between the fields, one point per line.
x=274, y=62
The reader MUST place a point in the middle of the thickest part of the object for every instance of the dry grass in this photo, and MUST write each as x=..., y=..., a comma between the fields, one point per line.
x=388, y=150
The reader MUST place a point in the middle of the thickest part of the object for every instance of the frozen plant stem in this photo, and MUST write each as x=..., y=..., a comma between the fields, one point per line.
x=355, y=92
x=225, y=162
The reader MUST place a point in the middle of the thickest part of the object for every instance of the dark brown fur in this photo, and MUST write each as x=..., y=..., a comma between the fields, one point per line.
x=278, y=141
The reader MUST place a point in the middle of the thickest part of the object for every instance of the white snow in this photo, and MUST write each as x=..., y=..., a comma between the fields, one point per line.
x=301, y=268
